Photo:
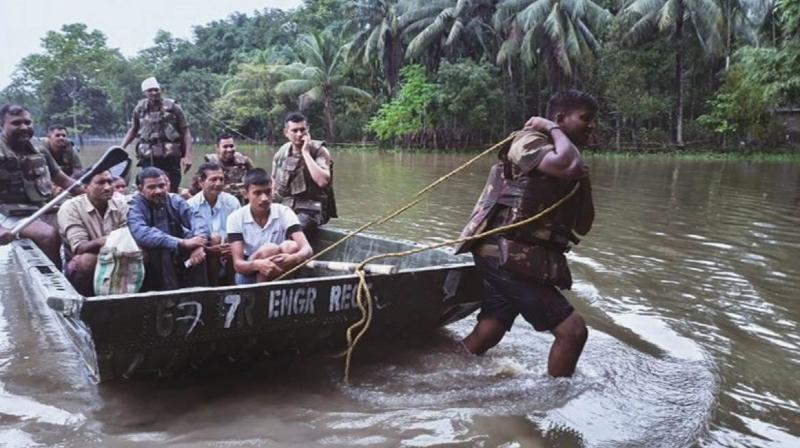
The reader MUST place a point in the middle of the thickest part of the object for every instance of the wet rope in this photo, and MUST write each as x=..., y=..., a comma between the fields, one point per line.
x=363, y=290
x=414, y=201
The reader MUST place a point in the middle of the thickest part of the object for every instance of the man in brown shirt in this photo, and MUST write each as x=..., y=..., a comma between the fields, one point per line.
x=84, y=222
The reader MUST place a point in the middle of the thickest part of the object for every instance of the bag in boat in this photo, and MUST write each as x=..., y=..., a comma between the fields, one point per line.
x=120, y=265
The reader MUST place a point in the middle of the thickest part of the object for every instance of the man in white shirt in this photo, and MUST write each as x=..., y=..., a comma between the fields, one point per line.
x=266, y=239
x=213, y=206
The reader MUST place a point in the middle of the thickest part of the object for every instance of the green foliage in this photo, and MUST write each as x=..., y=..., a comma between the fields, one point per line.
x=468, y=96
x=410, y=111
x=760, y=80
x=72, y=79
x=790, y=16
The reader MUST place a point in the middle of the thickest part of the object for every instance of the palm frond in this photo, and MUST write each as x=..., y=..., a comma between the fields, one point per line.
x=293, y=86
x=354, y=92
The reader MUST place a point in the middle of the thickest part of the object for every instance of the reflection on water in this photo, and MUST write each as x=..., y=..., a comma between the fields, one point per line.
x=687, y=281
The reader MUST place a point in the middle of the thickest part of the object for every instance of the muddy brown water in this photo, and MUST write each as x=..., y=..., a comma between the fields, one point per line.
x=688, y=282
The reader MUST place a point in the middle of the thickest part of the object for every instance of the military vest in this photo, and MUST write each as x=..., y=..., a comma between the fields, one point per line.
x=510, y=197
x=159, y=134
x=295, y=186
x=234, y=173
x=24, y=178
x=63, y=158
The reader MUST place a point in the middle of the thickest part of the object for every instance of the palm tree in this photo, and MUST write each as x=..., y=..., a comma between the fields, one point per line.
x=448, y=25
x=561, y=33
x=319, y=76
x=697, y=19
x=377, y=37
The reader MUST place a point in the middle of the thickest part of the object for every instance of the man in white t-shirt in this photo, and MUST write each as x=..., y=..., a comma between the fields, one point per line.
x=266, y=239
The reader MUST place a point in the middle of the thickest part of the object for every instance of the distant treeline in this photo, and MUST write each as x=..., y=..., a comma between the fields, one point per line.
x=444, y=73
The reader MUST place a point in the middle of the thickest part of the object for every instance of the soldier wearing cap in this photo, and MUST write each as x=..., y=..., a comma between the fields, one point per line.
x=164, y=137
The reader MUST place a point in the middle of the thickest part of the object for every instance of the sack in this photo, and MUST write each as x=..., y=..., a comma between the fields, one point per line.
x=535, y=263
x=120, y=265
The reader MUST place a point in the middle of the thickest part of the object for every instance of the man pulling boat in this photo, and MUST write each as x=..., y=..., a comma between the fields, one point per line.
x=524, y=268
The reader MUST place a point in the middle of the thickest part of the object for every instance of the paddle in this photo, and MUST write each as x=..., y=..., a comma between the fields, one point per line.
x=115, y=159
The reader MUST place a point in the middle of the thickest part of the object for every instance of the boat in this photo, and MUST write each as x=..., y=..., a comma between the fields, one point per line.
x=163, y=333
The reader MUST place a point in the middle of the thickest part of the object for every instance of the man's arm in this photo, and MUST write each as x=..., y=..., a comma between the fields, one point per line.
x=73, y=231
x=186, y=138
x=288, y=261
x=58, y=177
x=76, y=159
x=320, y=174
x=565, y=161
x=148, y=237
x=133, y=131
x=586, y=207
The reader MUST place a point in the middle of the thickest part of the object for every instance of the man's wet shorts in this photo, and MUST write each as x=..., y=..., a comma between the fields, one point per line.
x=506, y=296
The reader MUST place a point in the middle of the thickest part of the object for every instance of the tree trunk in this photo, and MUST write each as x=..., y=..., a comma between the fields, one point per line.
x=679, y=80
x=328, y=111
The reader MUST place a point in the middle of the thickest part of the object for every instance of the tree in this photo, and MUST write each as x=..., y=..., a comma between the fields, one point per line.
x=468, y=97
x=562, y=34
x=72, y=77
x=411, y=111
x=377, y=36
x=319, y=76
x=455, y=27
x=649, y=18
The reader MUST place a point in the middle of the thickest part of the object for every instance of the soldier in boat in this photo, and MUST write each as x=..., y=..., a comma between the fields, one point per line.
x=165, y=141
x=84, y=223
x=27, y=176
x=524, y=269
x=234, y=164
x=62, y=150
x=213, y=206
x=266, y=238
x=302, y=175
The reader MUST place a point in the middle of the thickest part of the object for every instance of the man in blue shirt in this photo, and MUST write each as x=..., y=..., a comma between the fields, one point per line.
x=211, y=207
x=165, y=227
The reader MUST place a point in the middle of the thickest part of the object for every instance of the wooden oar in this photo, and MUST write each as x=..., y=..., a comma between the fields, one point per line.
x=344, y=266
x=114, y=158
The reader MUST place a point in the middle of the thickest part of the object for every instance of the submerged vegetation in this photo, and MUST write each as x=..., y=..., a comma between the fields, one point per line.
x=447, y=73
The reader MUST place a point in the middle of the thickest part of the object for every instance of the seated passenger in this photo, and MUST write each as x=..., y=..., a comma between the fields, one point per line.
x=120, y=187
x=162, y=225
x=266, y=239
x=233, y=163
x=213, y=206
x=84, y=222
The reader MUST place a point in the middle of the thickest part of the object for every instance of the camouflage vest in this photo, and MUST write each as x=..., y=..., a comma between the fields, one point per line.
x=234, y=173
x=63, y=158
x=24, y=178
x=508, y=198
x=159, y=134
x=294, y=184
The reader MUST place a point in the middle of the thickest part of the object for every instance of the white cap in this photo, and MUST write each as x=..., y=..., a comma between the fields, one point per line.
x=150, y=83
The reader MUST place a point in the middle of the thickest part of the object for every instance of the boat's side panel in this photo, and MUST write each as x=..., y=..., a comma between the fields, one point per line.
x=160, y=333
x=51, y=287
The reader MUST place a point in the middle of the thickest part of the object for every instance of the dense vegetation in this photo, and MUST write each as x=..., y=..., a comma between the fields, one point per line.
x=445, y=73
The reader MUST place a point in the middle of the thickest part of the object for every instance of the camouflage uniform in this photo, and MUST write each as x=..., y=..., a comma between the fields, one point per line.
x=234, y=173
x=68, y=159
x=523, y=268
x=160, y=143
x=296, y=189
x=25, y=181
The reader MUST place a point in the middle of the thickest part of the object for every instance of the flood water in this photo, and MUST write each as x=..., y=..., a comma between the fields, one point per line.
x=688, y=281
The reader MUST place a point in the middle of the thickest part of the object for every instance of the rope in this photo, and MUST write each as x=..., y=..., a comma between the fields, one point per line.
x=366, y=310
x=414, y=201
